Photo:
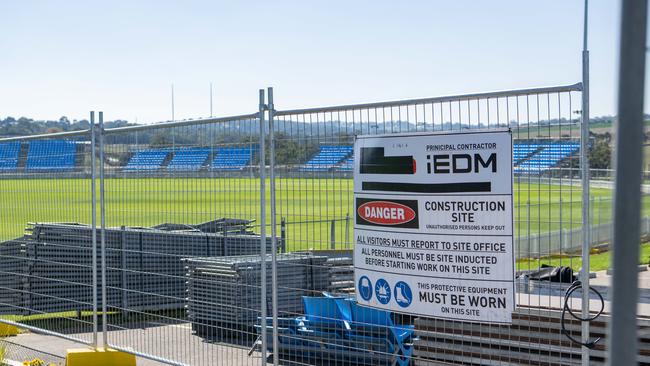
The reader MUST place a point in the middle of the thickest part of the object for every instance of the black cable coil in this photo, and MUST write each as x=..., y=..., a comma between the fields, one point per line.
x=575, y=286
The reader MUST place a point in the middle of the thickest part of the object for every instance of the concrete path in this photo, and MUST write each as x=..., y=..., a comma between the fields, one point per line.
x=174, y=342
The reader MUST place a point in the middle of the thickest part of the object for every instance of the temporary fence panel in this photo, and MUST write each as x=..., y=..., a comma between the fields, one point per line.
x=220, y=241
x=178, y=199
x=47, y=271
x=315, y=213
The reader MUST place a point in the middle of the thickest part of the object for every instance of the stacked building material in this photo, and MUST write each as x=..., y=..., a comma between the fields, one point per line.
x=50, y=268
x=225, y=293
x=341, y=268
x=534, y=337
x=12, y=259
x=58, y=268
x=341, y=275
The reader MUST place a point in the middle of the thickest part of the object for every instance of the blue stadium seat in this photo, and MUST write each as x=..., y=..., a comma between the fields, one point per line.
x=146, y=160
x=191, y=159
x=548, y=156
x=347, y=165
x=327, y=158
x=9, y=156
x=522, y=151
x=51, y=155
x=232, y=158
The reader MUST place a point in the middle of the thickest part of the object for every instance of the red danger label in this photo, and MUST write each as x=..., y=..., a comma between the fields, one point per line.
x=386, y=213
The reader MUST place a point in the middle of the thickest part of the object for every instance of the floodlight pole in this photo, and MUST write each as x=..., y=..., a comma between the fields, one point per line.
x=584, y=164
x=173, y=120
x=173, y=115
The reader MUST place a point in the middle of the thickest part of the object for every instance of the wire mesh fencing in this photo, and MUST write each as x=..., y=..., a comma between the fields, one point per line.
x=230, y=240
x=315, y=203
x=10, y=350
x=47, y=268
x=178, y=200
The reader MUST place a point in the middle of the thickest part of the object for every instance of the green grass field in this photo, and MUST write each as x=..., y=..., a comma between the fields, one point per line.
x=597, y=262
x=308, y=205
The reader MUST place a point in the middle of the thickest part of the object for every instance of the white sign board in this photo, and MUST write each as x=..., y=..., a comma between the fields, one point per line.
x=434, y=225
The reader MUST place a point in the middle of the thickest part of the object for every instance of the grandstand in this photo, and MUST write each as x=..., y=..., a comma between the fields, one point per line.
x=191, y=159
x=51, y=155
x=347, y=165
x=546, y=156
x=327, y=158
x=528, y=157
x=522, y=151
x=151, y=159
x=9, y=153
x=55, y=155
x=232, y=158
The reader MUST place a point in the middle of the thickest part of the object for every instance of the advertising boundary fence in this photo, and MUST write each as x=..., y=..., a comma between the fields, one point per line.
x=269, y=119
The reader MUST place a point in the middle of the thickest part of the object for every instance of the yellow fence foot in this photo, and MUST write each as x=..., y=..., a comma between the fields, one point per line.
x=98, y=357
x=7, y=330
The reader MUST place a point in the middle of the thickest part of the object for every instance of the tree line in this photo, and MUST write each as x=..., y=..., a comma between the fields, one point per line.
x=23, y=126
x=289, y=148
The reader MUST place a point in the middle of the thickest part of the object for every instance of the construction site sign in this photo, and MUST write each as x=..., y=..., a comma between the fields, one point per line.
x=434, y=224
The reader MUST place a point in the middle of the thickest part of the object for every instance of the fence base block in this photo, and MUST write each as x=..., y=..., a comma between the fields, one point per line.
x=98, y=357
x=7, y=330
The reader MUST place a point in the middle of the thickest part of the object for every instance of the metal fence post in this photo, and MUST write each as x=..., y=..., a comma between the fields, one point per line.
x=93, y=194
x=584, y=164
x=274, y=244
x=333, y=235
x=123, y=262
x=347, y=230
x=600, y=208
x=102, y=209
x=283, y=234
x=622, y=333
x=263, y=324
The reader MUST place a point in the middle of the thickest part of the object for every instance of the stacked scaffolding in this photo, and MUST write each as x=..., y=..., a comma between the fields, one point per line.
x=50, y=268
x=225, y=293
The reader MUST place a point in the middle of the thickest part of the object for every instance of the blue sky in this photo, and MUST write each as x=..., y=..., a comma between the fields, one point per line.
x=70, y=57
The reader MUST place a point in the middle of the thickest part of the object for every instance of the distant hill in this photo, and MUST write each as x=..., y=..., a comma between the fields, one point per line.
x=23, y=126
x=10, y=127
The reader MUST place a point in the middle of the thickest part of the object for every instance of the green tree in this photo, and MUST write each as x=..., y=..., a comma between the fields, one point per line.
x=290, y=150
x=600, y=156
x=160, y=139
